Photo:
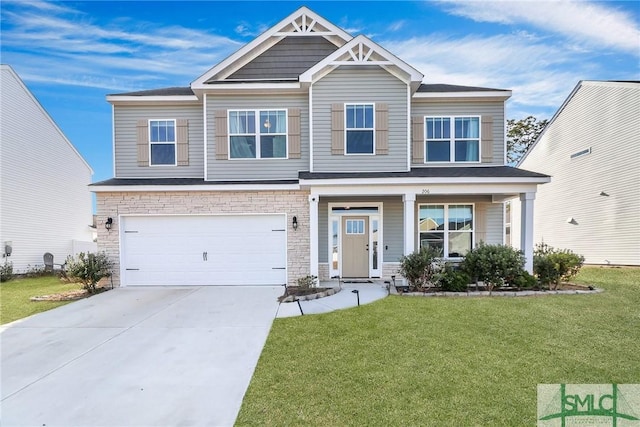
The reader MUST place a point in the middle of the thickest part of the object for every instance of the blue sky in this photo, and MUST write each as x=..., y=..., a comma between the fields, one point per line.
x=72, y=54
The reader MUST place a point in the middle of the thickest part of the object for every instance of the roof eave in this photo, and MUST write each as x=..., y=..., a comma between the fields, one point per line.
x=114, y=99
x=501, y=95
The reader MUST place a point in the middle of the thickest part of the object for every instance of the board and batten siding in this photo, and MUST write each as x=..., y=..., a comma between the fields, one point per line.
x=256, y=169
x=495, y=110
x=125, y=124
x=46, y=203
x=605, y=118
x=364, y=84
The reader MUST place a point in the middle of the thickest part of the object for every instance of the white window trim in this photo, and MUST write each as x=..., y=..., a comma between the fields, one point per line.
x=338, y=216
x=452, y=140
x=446, y=225
x=174, y=143
x=346, y=129
x=257, y=134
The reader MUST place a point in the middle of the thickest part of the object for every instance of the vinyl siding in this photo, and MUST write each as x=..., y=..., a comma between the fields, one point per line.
x=468, y=108
x=392, y=222
x=359, y=85
x=288, y=58
x=606, y=118
x=43, y=181
x=239, y=169
x=125, y=121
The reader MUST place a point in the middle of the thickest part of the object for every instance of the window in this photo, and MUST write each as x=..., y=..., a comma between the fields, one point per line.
x=359, y=129
x=447, y=228
x=452, y=139
x=162, y=142
x=258, y=134
x=355, y=226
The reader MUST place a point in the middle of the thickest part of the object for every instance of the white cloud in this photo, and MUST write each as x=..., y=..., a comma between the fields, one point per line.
x=580, y=21
x=60, y=45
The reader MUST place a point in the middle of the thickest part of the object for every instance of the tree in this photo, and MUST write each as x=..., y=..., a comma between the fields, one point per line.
x=520, y=135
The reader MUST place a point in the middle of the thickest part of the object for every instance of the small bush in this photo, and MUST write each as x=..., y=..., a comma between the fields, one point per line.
x=493, y=264
x=88, y=269
x=419, y=267
x=37, y=271
x=524, y=281
x=553, y=266
x=451, y=280
x=307, y=282
x=6, y=272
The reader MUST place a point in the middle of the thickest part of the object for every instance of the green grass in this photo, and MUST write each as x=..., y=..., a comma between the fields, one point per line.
x=445, y=361
x=15, y=294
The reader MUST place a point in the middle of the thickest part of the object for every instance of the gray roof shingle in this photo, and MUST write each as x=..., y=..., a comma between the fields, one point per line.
x=432, y=172
x=167, y=91
x=439, y=87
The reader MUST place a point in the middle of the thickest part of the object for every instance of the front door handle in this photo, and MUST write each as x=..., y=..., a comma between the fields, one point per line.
x=367, y=246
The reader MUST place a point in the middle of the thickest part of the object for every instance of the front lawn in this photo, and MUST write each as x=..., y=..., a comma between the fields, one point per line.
x=14, y=296
x=445, y=361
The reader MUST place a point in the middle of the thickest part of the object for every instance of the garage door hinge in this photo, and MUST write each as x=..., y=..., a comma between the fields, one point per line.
x=132, y=269
x=278, y=268
x=279, y=230
x=130, y=231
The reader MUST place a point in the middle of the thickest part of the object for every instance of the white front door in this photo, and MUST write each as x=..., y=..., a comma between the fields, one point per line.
x=203, y=250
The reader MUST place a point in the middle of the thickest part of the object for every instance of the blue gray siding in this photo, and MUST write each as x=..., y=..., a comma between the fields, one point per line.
x=125, y=121
x=256, y=169
x=495, y=109
x=359, y=85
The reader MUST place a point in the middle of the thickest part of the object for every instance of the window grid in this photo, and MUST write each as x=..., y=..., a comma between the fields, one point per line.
x=162, y=142
x=359, y=129
x=258, y=134
x=452, y=139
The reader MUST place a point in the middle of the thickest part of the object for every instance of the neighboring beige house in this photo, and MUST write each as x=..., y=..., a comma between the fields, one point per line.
x=45, y=203
x=591, y=149
x=308, y=151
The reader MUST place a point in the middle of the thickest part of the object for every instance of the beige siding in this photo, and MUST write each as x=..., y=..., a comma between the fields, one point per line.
x=126, y=151
x=359, y=85
x=605, y=117
x=242, y=169
x=45, y=201
x=468, y=108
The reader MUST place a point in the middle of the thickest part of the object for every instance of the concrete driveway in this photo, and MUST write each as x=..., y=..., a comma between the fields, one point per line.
x=136, y=357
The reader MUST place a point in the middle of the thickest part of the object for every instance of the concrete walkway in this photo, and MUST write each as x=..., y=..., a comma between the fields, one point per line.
x=368, y=292
x=136, y=357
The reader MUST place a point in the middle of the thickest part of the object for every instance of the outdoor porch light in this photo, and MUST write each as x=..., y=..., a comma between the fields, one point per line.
x=108, y=223
x=294, y=222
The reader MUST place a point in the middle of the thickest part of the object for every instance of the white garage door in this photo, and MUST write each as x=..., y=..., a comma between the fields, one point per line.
x=204, y=250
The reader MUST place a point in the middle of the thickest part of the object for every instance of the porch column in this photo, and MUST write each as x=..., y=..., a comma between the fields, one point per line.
x=526, y=228
x=409, y=223
x=313, y=235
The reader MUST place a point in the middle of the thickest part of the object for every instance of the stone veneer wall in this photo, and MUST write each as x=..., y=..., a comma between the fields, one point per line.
x=292, y=203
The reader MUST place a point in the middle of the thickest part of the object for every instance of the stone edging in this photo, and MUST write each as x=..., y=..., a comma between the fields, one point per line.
x=498, y=293
x=328, y=292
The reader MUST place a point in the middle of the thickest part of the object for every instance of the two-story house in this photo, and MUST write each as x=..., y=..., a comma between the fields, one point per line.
x=308, y=151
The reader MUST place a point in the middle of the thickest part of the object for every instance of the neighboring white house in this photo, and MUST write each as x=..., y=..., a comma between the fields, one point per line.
x=591, y=149
x=45, y=204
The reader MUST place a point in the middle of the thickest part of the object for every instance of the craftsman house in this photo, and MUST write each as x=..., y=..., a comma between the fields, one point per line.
x=307, y=151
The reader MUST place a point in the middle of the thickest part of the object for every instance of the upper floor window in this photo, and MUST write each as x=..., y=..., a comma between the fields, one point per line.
x=258, y=134
x=447, y=228
x=162, y=142
x=359, y=129
x=452, y=139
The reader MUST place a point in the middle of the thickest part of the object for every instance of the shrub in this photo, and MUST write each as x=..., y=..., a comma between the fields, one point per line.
x=493, y=264
x=450, y=279
x=88, y=269
x=6, y=272
x=307, y=282
x=37, y=271
x=419, y=267
x=553, y=266
x=524, y=281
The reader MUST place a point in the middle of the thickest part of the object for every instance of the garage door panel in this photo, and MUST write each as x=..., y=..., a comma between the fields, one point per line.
x=204, y=250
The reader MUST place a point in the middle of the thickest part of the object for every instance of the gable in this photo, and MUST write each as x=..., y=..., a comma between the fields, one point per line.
x=287, y=59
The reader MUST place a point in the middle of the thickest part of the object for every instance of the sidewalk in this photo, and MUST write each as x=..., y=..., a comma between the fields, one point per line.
x=345, y=298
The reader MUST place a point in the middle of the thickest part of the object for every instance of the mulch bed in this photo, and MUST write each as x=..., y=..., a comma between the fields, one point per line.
x=474, y=288
x=295, y=292
x=72, y=295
